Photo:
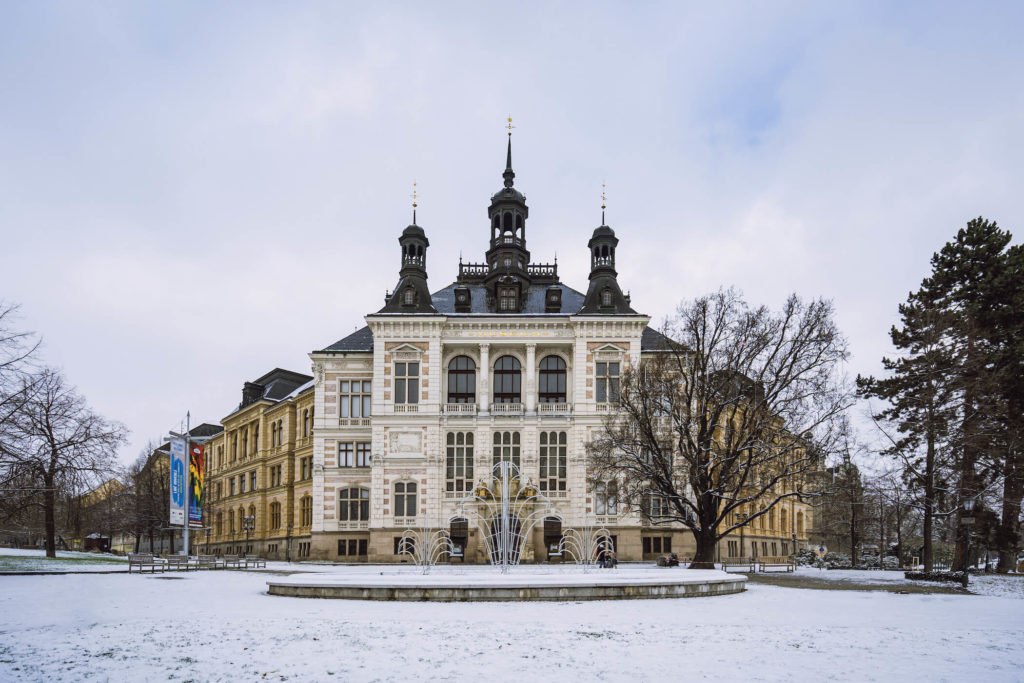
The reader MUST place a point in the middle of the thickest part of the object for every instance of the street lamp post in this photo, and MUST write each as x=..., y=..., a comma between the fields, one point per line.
x=968, y=520
x=288, y=545
x=248, y=525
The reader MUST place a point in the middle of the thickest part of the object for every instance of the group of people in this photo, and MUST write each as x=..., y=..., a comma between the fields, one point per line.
x=606, y=558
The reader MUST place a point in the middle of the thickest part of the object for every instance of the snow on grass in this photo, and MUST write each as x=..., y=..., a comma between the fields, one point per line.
x=223, y=626
x=998, y=585
x=29, y=560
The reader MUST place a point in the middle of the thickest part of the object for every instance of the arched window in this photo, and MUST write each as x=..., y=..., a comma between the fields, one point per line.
x=507, y=295
x=552, y=380
x=506, y=447
x=606, y=297
x=771, y=520
x=275, y=515
x=306, y=511
x=552, y=461
x=405, y=499
x=606, y=498
x=800, y=523
x=459, y=462
x=409, y=297
x=241, y=519
x=507, y=380
x=461, y=380
x=354, y=505
x=506, y=222
x=783, y=526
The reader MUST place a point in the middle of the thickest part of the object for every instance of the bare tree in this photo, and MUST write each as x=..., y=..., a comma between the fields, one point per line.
x=55, y=439
x=732, y=416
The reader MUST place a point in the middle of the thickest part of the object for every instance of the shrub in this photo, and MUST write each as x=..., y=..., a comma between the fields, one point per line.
x=952, y=577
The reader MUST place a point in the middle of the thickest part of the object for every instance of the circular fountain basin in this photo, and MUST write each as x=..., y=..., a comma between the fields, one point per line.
x=486, y=584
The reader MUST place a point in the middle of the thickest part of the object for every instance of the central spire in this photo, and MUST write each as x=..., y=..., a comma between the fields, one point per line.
x=509, y=174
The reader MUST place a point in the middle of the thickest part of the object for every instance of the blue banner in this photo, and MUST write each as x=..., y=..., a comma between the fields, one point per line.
x=178, y=482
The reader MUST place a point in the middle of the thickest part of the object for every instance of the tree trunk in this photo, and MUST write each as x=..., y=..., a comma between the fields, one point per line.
x=704, y=558
x=49, y=514
x=1008, y=534
x=969, y=455
x=929, y=501
x=853, y=532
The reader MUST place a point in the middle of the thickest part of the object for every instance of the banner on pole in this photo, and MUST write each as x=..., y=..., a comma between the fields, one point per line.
x=197, y=480
x=178, y=482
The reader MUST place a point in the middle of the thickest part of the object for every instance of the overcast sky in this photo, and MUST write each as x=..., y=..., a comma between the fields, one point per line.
x=192, y=194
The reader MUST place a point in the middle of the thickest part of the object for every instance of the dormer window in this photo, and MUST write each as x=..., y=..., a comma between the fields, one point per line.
x=409, y=297
x=507, y=299
x=606, y=297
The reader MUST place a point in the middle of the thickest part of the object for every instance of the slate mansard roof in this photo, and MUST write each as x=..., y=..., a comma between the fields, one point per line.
x=361, y=341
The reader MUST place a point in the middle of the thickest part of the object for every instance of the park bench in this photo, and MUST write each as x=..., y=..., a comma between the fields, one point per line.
x=742, y=563
x=209, y=562
x=180, y=563
x=255, y=561
x=783, y=563
x=234, y=561
x=144, y=561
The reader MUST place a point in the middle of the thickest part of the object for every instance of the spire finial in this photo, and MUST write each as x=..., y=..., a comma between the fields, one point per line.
x=604, y=201
x=509, y=174
x=415, y=196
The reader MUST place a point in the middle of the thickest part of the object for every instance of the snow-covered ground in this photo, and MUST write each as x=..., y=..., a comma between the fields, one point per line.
x=25, y=560
x=223, y=626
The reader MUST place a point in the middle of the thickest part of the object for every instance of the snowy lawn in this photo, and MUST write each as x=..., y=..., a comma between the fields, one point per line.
x=222, y=626
x=24, y=560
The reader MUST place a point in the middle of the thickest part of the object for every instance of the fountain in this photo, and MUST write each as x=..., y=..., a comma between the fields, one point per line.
x=505, y=508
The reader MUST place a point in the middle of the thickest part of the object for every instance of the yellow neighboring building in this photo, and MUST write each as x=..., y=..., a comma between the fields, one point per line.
x=260, y=471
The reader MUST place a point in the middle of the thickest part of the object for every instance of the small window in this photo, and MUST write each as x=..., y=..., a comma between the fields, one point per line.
x=606, y=297
x=507, y=297
x=409, y=297
x=607, y=382
x=407, y=382
x=405, y=499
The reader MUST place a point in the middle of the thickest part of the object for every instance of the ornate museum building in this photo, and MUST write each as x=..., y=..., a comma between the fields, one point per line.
x=404, y=419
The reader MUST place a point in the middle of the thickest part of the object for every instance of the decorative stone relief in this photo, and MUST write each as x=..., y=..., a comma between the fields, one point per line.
x=318, y=373
x=405, y=444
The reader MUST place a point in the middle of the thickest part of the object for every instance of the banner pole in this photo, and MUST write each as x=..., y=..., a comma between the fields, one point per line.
x=188, y=480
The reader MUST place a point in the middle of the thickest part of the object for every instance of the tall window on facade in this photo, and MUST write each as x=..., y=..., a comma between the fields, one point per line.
x=252, y=513
x=657, y=507
x=234, y=448
x=351, y=455
x=552, y=461
x=220, y=523
x=245, y=442
x=354, y=505
x=405, y=499
x=506, y=447
x=280, y=432
x=508, y=378
x=507, y=296
x=459, y=461
x=305, y=422
x=231, y=486
x=255, y=439
x=783, y=521
x=273, y=433
x=275, y=515
x=354, y=397
x=461, y=380
x=800, y=523
x=241, y=483
x=552, y=380
x=606, y=498
x=607, y=382
x=306, y=511
x=407, y=382
x=252, y=480
x=241, y=519
x=363, y=456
